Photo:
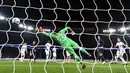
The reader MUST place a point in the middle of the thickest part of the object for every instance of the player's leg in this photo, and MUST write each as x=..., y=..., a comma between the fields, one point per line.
x=22, y=56
x=47, y=54
x=30, y=55
x=71, y=52
x=121, y=57
x=75, y=45
x=101, y=55
x=117, y=56
x=54, y=56
x=84, y=51
x=33, y=56
x=34, y=52
x=98, y=54
x=77, y=58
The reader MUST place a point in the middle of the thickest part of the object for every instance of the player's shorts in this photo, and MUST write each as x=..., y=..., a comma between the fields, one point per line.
x=32, y=54
x=54, y=54
x=120, y=53
x=69, y=43
x=100, y=50
x=22, y=53
x=47, y=52
x=73, y=44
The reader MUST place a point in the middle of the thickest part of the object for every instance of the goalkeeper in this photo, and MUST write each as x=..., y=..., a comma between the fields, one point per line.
x=68, y=44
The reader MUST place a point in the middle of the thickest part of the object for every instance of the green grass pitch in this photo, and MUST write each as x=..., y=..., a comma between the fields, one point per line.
x=52, y=67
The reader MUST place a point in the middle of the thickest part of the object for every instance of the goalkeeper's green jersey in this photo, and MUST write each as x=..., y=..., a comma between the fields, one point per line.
x=64, y=41
x=60, y=37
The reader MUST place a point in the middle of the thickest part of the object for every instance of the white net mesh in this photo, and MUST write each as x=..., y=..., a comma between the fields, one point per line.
x=88, y=19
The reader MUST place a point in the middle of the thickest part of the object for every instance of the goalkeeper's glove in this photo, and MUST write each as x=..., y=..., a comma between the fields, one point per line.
x=73, y=33
x=40, y=29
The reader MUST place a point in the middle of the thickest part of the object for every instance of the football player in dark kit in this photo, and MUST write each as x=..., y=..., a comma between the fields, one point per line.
x=100, y=49
x=32, y=52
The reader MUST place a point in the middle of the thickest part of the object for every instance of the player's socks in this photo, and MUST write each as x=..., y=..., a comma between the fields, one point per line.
x=84, y=51
x=47, y=57
x=103, y=59
x=22, y=58
x=77, y=58
x=34, y=58
x=116, y=59
x=103, y=62
x=124, y=62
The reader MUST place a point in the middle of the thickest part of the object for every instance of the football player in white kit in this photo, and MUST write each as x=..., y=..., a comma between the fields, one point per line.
x=47, y=50
x=120, y=52
x=54, y=53
x=22, y=51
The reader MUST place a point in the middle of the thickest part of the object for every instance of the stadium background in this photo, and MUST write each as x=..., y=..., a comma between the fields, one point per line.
x=88, y=40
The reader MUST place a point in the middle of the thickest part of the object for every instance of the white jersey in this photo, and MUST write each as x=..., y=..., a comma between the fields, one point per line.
x=48, y=45
x=54, y=49
x=24, y=48
x=120, y=52
x=120, y=46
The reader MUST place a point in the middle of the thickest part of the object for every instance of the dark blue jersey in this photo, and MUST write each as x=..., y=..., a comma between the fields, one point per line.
x=100, y=43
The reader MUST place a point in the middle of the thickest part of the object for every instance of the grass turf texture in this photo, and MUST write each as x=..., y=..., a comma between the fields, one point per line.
x=51, y=67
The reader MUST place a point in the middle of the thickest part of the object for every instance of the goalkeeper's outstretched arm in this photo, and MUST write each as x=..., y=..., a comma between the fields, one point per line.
x=66, y=29
x=45, y=33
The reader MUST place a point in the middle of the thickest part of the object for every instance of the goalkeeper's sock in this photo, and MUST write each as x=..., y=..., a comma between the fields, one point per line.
x=84, y=51
x=77, y=58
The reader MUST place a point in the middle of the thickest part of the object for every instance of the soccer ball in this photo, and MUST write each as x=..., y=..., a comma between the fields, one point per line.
x=16, y=20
